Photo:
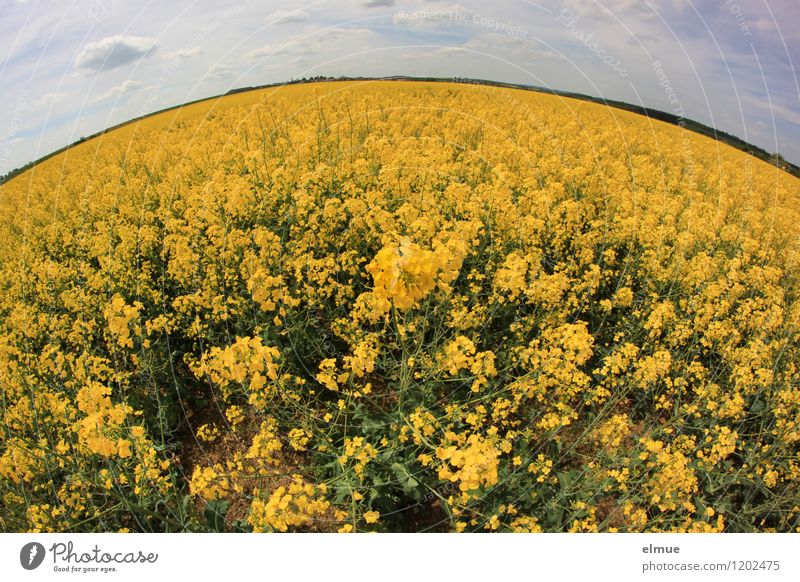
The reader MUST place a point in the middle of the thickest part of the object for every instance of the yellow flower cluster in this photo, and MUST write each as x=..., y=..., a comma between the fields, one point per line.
x=296, y=505
x=405, y=273
x=299, y=438
x=245, y=362
x=210, y=483
x=542, y=467
x=102, y=418
x=609, y=435
x=208, y=433
x=673, y=482
x=119, y=316
x=328, y=376
x=360, y=451
x=472, y=466
x=460, y=354
x=304, y=310
x=266, y=444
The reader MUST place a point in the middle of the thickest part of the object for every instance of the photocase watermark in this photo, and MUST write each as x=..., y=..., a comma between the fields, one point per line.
x=20, y=104
x=741, y=19
x=31, y=555
x=100, y=7
x=569, y=21
x=174, y=63
x=677, y=109
x=663, y=81
x=456, y=15
x=439, y=492
x=512, y=30
x=466, y=81
x=66, y=558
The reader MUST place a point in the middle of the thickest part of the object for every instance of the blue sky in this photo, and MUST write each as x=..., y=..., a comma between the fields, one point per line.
x=70, y=69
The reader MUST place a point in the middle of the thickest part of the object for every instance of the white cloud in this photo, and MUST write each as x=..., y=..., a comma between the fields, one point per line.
x=286, y=16
x=375, y=3
x=183, y=54
x=681, y=5
x=496, y=43
x=776, y=109
x=50, y=98
x=452, y=50
x=611, y=10
x=119, y=90
x=260, y=53
x=112, y=52
x=316, y=42
x=765, y=25
x=342, y=32
x=547, y=55
x=221, y=72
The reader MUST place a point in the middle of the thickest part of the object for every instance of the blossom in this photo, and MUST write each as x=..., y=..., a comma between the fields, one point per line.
x=306, y=311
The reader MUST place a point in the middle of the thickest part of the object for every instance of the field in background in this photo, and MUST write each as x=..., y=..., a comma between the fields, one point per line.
x=772, y=158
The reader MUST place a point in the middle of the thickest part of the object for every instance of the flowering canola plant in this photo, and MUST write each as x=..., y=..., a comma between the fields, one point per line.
x=400, y=306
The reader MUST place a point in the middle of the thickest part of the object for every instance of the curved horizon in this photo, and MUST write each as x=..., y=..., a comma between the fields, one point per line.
x=100, y=63
x=662, y=116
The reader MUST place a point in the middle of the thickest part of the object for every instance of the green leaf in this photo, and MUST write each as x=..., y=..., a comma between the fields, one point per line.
x=407, y=482
x=565, y=479
x=214, y=514
x=371, y=426
x=555, y=515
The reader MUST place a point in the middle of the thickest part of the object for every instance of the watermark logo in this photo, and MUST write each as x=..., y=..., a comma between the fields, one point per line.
x=66, y=557
x=570, y=21
x=31, y=555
